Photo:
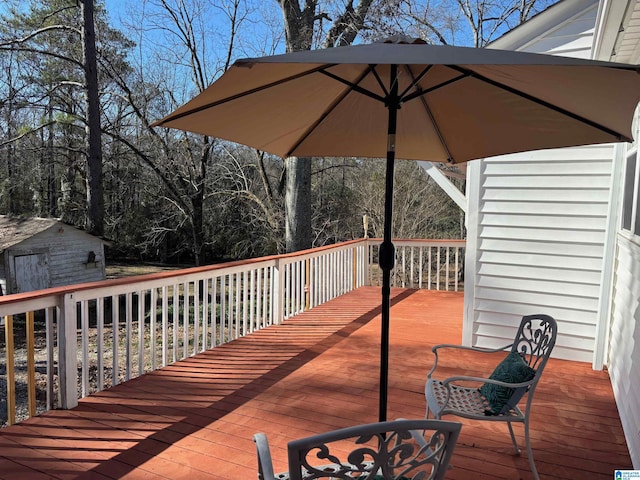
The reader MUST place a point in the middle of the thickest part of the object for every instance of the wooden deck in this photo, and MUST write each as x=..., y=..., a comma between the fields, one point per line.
x=319, y=371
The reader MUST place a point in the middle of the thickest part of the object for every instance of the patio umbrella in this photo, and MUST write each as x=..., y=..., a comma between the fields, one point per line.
x=406, y=99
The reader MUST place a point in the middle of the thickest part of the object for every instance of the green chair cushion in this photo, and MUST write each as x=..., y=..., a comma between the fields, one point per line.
x=513, y=369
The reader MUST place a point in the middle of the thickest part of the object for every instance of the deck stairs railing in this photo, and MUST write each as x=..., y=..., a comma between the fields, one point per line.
x=62, y=344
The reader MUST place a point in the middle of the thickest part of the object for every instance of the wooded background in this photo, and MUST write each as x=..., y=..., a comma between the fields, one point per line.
x=84, y=80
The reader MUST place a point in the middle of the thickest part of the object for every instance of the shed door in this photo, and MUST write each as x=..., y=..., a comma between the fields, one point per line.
x=32, y=272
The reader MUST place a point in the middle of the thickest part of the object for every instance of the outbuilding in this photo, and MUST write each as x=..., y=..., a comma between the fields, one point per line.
x=39, y=253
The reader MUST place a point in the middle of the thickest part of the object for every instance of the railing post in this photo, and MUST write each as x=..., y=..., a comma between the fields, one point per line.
x=277, y=295
x=366, y=259
x=68, y=351
x=354, y=269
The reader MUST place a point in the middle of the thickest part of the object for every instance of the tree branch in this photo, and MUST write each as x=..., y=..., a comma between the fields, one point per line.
x=27, y=133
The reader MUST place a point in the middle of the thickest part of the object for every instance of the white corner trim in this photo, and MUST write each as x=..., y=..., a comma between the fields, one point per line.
x=471, y=252
x=601, y=343
x=609, y=19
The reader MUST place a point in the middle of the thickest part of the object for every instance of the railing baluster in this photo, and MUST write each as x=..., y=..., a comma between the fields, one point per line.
x=50, y=342
x=299, y=279
x=31, y=366
x=176, y=320
x=245, y=302
x=141, y=296
x=214, y=310
x=261, y=292
x=403, y=277
x=11, y=372
x=185, y=319
x=420, y=259
x=100, y=341
x=447, y=269
x=196, y=317
x=84, y=323
x=438, y=270
x=129, y=335
x=115, y=335
x=231, y=304
x=252, y=301
x=429, y=266
x=152, y=327
x=457, y=268
x=165, y=325
x=205, y=312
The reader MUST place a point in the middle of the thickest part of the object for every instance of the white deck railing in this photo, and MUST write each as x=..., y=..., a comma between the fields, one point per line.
x=99, y=334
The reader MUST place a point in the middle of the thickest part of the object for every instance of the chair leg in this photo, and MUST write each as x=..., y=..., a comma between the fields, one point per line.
x=513, y=439
x=527, y=440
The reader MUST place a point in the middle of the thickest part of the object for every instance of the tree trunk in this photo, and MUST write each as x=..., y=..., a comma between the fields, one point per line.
x=197, y=226
x=95, y=195
x=51, y=187
x=299, y=23
x=298, y=204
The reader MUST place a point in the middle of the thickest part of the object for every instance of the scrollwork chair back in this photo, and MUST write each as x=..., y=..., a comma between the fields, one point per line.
x=384, y=450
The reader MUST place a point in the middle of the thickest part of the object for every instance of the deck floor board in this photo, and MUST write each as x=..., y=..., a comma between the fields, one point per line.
x=318, y=371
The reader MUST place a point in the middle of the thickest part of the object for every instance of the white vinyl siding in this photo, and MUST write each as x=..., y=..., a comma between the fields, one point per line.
x=571, y=34
x=540, y=234
x=624, y=340
x=572, y=39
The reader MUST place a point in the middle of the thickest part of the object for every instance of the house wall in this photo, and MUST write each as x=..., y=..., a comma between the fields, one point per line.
x=624, y=359
x=67, y=250
x=624, y=332
x=539, y=230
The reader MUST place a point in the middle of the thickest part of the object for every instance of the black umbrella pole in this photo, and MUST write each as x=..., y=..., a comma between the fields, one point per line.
x=386, y=260
x=387, y=254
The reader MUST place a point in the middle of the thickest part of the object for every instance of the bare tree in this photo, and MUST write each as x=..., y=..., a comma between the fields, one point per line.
x=35, y=34
x=177, y=32
x=463, y=22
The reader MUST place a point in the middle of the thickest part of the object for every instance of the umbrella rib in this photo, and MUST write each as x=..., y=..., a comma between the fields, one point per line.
x=425, y=104
x=414, y=80
x=380, y=82
x=531, y=98
x=421, y=93
x=222, y=101
x=352, y=86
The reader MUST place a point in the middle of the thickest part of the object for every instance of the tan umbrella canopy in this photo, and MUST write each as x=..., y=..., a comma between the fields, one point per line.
x=414, y=101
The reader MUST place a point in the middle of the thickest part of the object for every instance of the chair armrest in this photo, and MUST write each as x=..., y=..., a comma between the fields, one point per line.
x=473, y=349
x=265, y=464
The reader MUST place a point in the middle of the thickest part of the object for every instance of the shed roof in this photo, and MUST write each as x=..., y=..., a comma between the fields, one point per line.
x=14, y=230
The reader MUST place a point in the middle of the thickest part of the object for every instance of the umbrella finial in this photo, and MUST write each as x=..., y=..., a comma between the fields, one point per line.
x=403, y=39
